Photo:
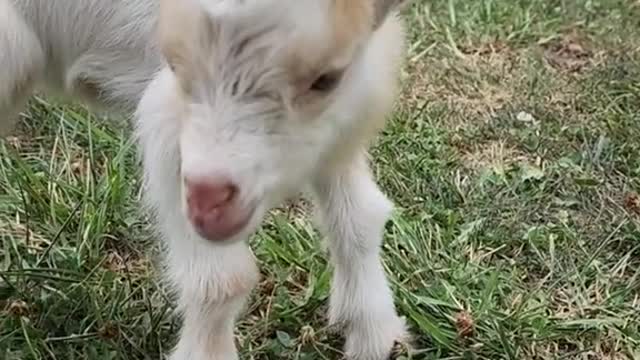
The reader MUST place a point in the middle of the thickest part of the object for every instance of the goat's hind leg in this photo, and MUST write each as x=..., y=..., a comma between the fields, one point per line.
x=22, y=62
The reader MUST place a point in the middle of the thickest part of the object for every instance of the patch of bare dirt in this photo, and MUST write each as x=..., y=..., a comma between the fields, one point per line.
x=570, y=53
x=632, y=202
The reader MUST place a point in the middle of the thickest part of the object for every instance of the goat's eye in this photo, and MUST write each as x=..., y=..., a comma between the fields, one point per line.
x=326, y=82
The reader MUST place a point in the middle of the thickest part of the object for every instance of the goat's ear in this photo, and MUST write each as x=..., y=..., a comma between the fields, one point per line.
x=384, y=7
x=185, y=35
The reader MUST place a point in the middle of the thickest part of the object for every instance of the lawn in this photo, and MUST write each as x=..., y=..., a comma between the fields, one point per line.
x=513, y=157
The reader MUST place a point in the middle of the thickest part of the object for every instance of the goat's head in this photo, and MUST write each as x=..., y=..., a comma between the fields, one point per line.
x=274, y=91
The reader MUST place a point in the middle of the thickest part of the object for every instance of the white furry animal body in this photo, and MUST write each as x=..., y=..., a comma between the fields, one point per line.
x=95, y=50
x=238, y=105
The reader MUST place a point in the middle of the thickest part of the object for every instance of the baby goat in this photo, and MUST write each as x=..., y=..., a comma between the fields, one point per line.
x=238, y=105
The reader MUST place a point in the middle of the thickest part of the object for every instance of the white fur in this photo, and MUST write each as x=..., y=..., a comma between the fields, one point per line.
x=69, y=45
x=242, y=119
x=360, y=297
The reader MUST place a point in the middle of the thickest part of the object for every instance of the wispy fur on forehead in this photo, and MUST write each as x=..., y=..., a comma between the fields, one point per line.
x=255, y=43
x=218, y=8
x=221, y=7
x=287, y=18
x=242, y=61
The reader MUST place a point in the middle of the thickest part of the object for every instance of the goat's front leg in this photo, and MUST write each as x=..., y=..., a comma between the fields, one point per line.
x=212, y=280
x=353, y=212
x=213, y=284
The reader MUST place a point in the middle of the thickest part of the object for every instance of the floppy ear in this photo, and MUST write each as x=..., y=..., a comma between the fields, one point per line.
x=384, y=7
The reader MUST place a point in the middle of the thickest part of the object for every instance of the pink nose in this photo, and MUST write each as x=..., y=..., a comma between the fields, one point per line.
x=213, y=208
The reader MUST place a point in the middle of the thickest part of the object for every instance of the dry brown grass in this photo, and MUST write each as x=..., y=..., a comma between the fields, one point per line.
x=485, y=79
x=495, y=156
x=35, y=243
x=477, y=82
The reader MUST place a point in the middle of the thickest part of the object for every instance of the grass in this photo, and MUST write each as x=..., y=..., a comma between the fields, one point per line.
x=514, y=160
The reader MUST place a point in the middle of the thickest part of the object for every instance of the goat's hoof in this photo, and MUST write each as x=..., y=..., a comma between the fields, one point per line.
x=385, y=341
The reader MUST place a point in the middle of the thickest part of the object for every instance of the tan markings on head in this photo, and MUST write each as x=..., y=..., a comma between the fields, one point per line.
x=352, y=18
x=349, y=22
x=185, y=36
